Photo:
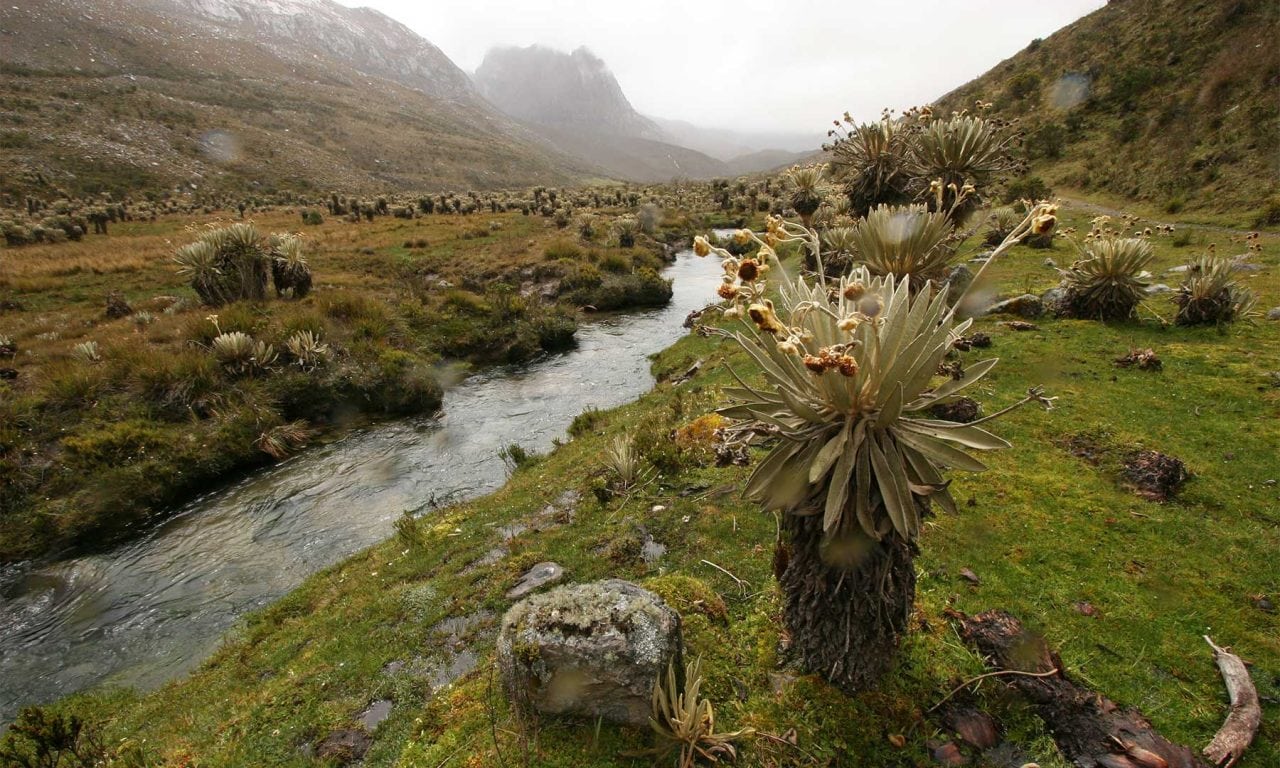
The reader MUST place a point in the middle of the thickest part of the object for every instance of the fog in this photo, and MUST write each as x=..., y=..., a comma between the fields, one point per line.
x=750, y=65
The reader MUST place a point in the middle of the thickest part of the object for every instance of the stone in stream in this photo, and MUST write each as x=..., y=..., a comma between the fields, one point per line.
x=592, y=650
x=538, y=576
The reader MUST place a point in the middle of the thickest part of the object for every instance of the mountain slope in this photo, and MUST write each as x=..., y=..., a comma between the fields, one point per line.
x=575, y=103
x=1173, y=102
x=110, y=94
x=573, y=91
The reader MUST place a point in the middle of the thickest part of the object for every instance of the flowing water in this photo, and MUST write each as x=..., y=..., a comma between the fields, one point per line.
x=148, y=611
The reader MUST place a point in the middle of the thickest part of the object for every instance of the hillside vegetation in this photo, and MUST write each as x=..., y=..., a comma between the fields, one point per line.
x=1123, y=586
x=117, y=96
x=1172, y=102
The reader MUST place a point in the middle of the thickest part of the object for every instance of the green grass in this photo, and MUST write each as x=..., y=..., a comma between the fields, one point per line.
x=1043, y=530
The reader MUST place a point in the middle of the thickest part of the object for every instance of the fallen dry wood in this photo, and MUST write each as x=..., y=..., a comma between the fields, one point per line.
x=1089, y=729
x=1236, y=734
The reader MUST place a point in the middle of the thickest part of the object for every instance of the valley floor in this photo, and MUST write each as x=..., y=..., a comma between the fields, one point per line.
x=1123, y=587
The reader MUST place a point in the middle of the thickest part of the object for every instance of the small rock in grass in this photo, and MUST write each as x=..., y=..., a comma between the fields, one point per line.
x=536, y=577
x=375, y=713
x=975, y=727
x=1019, y=325
x=1154, y=475
x=346, y=745
x=962, y=410
x=1273, y=313
x=1026, y=305
x=1264, y=604
x=947, y=753
x=1085, y=608
x=969, y=576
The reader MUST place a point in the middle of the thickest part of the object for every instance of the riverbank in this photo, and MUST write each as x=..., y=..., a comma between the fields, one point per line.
x=1122, y=586
x=118, y=409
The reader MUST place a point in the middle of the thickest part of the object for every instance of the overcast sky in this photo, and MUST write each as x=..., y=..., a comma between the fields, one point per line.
x=754, y=65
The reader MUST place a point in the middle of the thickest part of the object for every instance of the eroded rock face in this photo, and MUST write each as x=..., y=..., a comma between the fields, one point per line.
x=592, y=650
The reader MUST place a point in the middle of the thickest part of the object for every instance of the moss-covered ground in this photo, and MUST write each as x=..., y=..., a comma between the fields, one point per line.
x=1123, y=587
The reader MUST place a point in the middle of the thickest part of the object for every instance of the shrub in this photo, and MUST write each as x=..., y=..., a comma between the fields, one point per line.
x=1030, y=188
x=1109, y=281
x=562, y=249
x=1210, y=293
x=312, y=218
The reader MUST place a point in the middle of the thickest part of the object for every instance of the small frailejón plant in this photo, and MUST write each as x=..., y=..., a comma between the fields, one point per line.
x=1108, y=281
x=849, y=372
x=1211, y=294
x=289, y=269
x=806, y=186
x=685, y=721
x=226, y=264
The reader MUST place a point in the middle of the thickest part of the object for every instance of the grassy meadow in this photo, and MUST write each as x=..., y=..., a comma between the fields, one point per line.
x=1122, y=586
x=112, y=419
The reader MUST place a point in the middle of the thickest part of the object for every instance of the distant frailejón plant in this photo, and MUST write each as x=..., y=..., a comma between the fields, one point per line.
x=233, y=263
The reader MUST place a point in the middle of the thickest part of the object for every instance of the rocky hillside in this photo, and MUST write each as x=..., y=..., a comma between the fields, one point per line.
x=1172, y=102
x=113, y=94
x=574, y=91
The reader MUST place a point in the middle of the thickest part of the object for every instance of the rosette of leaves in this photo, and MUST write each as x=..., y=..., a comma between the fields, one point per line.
x=964, y=149
x=1000, y=223
x=850, y=372
x=290, y=271
x=908, y=242
x=1211, y=294
x=806, y=195
x=1108, y=281
x=685, y=721
x=226, y=264
x=869, y=162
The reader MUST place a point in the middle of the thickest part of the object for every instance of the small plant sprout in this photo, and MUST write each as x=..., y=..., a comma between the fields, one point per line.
x=306, y=349
x=623, y=462
x=87, y=352
x=284, y=439
x=685, y=721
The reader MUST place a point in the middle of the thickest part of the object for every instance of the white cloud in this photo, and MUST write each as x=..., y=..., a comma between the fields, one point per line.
x=750, y=64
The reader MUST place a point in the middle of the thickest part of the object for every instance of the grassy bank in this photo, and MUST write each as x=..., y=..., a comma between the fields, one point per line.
x=109, y=417
x=1122, y=586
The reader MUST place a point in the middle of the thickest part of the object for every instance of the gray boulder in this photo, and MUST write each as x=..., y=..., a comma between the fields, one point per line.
x=1026, y=305
x=592, y=650
x=958, y=279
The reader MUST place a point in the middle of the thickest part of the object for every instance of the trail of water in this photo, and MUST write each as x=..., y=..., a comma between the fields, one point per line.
x=151, y=610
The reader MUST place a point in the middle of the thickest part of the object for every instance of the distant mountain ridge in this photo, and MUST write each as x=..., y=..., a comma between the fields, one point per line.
x=575, y=101
x=574, y=91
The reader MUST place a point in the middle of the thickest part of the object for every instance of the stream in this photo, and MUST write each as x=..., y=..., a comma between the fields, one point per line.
x=152, y=609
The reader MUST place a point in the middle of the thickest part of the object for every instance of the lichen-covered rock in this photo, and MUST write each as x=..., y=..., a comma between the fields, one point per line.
x=592, y=650
x=1027, y=305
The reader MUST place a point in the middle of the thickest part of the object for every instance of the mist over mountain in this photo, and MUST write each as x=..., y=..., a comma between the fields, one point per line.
x=574, y=100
